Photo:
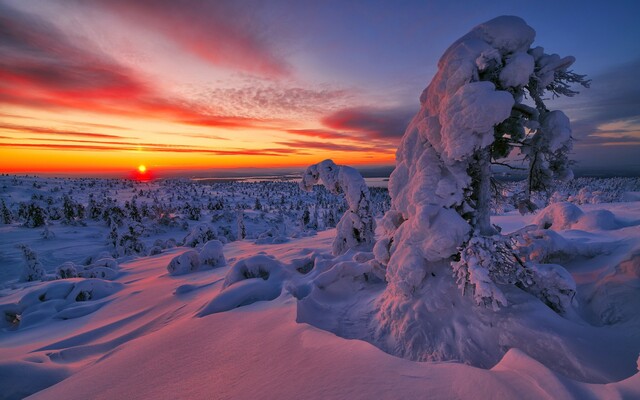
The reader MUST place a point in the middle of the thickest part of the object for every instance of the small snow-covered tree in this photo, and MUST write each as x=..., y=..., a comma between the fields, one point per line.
x=357, y=226
x=474, y=113
x=33, y=269
x=242, y=229
x=5, y=214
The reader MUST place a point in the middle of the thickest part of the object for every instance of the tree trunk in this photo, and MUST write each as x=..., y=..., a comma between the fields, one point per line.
x=482, y=193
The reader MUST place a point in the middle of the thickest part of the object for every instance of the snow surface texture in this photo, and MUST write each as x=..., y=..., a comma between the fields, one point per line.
x=147, y=331
x=440, y=198
x=357, y=226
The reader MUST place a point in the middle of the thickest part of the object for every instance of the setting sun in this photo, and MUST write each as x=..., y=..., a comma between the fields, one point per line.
x=142, y=169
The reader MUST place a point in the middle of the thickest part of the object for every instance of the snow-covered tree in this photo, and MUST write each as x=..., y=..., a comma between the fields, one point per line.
x=5, y=214
x=33, y=269
x=473, y=114
x=357, y=226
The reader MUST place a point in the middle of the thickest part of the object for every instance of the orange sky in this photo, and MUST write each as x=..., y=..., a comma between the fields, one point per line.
x=106, y=85
x=102, y=88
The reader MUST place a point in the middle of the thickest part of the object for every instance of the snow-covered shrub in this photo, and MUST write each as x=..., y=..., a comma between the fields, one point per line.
x=35, y=216
x=67, y=270
x=104, y=267
x=211, y=254
x=47, y=233
x=356, y=228
x=6, y=216
x=488, y=262
x=129, y=242
x=185, y=263
x=546, y=246
x=33, y=269
x=56, y=300
x=597, y=220
x=200, y=234
x=564, y=215
x=552, y=284
x=558, y=216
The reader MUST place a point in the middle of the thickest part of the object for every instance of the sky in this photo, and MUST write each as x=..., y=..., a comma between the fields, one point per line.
x=188, y=87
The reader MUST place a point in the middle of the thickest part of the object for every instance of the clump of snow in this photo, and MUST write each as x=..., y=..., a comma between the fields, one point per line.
x=257, y=278
x=211, y=254
x=356, y=228
x=468, y=117
x=597, y=220
x=260, y=266
x=185, y=263
x=103, y=268
x=564, y=215
x=558, y=216
x=64, y=299
x=517, y=70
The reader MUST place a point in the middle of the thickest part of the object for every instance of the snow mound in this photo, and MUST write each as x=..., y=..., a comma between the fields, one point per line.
x=185, y=263
x=63, y=299
x=211, y=254
x=252, y=279
x=563, y=215
x=598, y=220
x=558, y=216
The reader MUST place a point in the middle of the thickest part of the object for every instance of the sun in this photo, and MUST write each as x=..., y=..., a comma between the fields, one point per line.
x=142, y=169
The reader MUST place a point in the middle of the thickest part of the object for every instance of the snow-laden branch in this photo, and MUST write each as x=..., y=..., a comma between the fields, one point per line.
x=357, y=225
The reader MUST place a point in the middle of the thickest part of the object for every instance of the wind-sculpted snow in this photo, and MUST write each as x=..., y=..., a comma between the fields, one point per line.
x=357, y=226
x=558, y=216
x=276, y=311
x=62, y=300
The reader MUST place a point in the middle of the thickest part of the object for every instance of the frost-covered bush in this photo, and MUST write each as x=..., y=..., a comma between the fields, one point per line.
x=563, y=215
x=211, y=254
x=104, y=267
x=486, y=263
x=200, y=234
x=558, y=216
x=67, y=270
x=356, y=228
x=185, y=263
x=33, y=269
x=63, y=300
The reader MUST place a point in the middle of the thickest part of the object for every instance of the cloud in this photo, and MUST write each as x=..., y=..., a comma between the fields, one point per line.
x=258, y=99
x=614, y=96
x=41, y=67
x=119, y=146
x=37, y=55
x=319, y=133
x=372, y=123
x=49, y=131
x=330, y=146
x=223, y=32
